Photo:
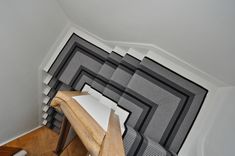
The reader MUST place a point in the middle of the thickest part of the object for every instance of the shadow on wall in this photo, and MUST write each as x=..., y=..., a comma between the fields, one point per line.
x=220, y=138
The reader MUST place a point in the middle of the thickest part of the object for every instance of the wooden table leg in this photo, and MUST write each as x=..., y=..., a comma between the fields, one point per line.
x=63, y=136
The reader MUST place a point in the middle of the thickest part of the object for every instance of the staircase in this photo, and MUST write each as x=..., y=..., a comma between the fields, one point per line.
x=151, y=100
x=118, y=62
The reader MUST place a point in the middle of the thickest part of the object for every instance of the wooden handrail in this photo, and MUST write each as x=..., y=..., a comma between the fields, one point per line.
x=96, y=140
x=113, y=144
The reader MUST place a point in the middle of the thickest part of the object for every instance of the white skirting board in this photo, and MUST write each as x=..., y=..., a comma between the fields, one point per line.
x=47, y=79
x=46, y=100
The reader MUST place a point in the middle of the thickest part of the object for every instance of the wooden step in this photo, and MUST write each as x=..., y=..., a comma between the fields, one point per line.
x=9, y=151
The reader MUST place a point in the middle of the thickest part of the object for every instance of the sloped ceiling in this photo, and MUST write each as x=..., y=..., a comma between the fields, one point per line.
x=200, y=32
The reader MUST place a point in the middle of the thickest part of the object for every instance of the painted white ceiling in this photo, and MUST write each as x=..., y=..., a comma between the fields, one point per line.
x=201, y=32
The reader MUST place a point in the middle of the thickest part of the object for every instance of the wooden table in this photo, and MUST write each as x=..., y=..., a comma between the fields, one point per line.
x=97, y=141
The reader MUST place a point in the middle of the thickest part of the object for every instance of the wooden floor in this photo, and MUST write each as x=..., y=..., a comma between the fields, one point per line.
x=42, y=142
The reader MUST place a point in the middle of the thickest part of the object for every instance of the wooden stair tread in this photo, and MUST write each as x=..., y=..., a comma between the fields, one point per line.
x=8, y=151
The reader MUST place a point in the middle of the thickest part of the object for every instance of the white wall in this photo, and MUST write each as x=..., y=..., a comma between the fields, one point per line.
x=200, y=32
x=220, y=139
x=213, y=131
x=27, y=30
